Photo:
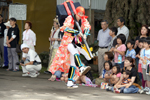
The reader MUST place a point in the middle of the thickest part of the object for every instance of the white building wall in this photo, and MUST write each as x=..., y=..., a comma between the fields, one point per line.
x=95, y=4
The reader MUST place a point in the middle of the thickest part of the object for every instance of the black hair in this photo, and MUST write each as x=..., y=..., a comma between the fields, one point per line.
x=132, y=42
x=110, y=64
x=118, y=68
x=142, y=39
x=1, y=15
x=114, y=29
x=122, y=20
x=127, y=72
x=13, y=19
x=130, y=59
x=147, y=40
x=104, y=21
x=110, y=55
x=122, y=37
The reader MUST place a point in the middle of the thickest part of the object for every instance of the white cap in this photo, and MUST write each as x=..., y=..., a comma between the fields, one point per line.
x=24, y=46
x=7, y=24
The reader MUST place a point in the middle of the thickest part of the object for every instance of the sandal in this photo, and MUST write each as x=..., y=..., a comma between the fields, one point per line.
x=8, y=69
x=53, y=78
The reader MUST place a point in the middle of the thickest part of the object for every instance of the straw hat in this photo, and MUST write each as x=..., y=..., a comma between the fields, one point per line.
x=7, y=24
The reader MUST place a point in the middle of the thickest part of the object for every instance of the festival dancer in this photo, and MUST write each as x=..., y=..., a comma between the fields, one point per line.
x=67, y=55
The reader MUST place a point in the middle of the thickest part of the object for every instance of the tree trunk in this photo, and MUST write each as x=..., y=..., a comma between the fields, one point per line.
x=135, y=12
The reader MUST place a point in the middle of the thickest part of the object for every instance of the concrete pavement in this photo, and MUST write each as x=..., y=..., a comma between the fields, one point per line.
x=15, y=87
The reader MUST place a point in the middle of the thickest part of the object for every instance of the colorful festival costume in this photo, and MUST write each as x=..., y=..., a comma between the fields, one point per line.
x=68, y=54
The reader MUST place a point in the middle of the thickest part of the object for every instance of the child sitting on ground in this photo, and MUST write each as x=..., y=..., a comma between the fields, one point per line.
x=116, y=74
x=125, y=80
x=108, y=56
x=105, y=74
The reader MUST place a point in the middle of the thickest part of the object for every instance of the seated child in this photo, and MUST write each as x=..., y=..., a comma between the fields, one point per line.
x=116, y=74
x=105, y=74
x=108, y=56
x=126, y=80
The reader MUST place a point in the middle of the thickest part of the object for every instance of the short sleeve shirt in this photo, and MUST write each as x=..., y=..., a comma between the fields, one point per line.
x=145, y=53
x=131, y=53
x=120, y=48
x=104, y=38
x=32, y=56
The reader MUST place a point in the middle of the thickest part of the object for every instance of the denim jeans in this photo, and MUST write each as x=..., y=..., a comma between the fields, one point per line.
x=121, y=65
x=58, y=74
x=131, y=89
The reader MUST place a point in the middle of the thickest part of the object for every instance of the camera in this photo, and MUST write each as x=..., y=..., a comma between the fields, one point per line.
x=18, y=63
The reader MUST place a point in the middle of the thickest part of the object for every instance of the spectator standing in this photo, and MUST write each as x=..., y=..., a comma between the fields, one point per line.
x=113, y=32
x=2, y=28
x=104, y=39
x=144, y=34
x=12, y=41
x=120, y=50
x=122, y=28
x=131, y=52
x=7, y=24
x=29, y=37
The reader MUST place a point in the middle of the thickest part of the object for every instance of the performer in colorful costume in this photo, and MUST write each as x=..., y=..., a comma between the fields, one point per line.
x=70, y=47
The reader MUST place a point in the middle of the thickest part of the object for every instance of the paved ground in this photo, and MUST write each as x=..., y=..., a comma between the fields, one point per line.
x=15, y=87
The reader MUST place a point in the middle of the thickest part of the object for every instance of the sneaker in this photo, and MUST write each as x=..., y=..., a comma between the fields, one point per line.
x=117, y=91
x=33, y=75
x=73, y=86
x=70, y=85
x=38, y=74
x=140, y=91
x=146, y=89
x=108, y=88
x=26, y=74
x=84, y=70
x=148, y=93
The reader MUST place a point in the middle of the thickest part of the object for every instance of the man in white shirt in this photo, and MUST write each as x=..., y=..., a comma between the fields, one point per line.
x=32, y=62
x=122, y=29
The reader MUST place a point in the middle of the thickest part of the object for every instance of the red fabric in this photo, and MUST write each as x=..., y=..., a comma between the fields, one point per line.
x=67, y=8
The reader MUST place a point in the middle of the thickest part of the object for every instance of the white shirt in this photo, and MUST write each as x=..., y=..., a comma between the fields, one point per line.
x=55, y=43
x=5, y=36
x=29, y=38
x=124, y=30
x=32, y=56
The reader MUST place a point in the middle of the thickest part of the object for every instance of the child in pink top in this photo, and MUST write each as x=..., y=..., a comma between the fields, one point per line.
x=116, y=74
x=119, y=50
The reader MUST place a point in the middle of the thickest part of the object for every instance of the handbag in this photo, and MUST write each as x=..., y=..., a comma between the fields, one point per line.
x=18, y=49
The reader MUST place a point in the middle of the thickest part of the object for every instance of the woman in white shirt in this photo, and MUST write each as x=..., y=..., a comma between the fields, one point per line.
x=29, y=37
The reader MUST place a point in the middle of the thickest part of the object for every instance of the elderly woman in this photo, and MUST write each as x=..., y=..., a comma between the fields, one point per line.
x=55, y=39
x=29, y=36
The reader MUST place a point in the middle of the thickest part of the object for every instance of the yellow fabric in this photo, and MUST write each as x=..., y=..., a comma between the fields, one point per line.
x=137, y=85
x=84, y=47
x=52, y=57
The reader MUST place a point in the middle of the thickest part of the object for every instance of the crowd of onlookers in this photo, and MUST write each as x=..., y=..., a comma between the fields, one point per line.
x=10, y=48
x=123, y=64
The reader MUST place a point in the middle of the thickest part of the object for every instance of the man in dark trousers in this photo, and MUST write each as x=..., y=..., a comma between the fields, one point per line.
x=2, y=28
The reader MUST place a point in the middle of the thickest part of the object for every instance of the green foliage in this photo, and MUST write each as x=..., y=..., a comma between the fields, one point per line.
x=44, y=56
